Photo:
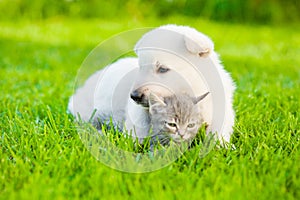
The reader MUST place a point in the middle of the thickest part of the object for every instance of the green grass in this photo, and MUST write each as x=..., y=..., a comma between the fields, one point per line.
x=42, y=156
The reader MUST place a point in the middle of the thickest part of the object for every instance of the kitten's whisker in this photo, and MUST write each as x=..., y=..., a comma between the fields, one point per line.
x=160, y=138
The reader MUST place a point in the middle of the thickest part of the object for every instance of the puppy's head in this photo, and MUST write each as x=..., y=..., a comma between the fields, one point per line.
x=164, y=70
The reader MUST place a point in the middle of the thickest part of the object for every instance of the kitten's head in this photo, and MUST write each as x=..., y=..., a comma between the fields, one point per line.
x=176, y=117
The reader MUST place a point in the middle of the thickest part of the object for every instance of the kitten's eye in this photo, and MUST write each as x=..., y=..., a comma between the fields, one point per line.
x=162, y=69
x=191, y=125
x=173, y=125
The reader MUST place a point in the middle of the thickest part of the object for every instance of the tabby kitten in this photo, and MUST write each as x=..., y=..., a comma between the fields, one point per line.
x=176, y=117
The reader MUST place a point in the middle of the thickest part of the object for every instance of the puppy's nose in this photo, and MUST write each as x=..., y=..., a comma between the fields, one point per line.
x=136, y=96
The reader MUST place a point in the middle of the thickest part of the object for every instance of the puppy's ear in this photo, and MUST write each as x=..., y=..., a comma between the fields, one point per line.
x=195, y=47
x=198, y=99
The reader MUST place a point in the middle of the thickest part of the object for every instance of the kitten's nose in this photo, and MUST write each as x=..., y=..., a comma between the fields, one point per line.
x=180, y=132
x=136, y=96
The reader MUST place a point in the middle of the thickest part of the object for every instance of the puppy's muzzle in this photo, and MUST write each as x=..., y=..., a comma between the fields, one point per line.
x=136, y=96
x=139, y=98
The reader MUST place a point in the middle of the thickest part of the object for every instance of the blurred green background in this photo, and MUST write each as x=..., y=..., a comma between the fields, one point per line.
x=250, y=11
x=43, y=43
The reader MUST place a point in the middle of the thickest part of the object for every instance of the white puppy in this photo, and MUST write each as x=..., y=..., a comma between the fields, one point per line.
x=171, y=59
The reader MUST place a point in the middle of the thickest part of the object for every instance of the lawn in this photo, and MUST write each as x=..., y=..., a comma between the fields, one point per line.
x=42, y=156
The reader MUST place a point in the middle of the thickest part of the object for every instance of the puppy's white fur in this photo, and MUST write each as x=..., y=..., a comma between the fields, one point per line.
x=99, y=90
x=193, y=45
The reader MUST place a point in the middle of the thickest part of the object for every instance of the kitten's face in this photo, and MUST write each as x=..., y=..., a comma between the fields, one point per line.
x=181, y=130
x=176, y=117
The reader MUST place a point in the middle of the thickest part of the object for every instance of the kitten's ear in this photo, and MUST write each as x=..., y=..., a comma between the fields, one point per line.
x=155, y=99
x=198, y=99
